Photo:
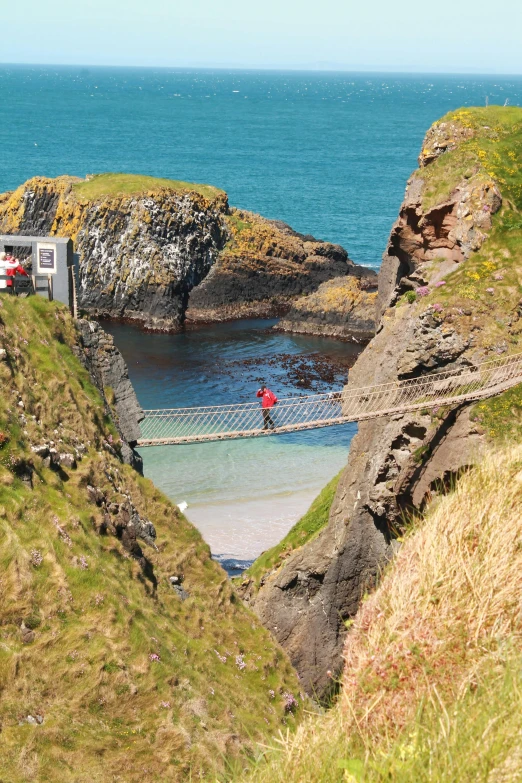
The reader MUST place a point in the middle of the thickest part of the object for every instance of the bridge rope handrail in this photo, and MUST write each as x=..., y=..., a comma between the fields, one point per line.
x=354, y=403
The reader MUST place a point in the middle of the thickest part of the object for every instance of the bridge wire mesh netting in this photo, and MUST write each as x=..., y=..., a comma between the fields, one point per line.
x=246, y=420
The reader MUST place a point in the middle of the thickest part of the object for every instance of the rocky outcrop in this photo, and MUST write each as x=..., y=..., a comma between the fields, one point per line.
x=121, y=518
x=343, y=308
x=162, y=254
x=110, y=374
x=140, y=254
x=398, y=463
x=433, y=235
x=142, y=257
x=263, y=269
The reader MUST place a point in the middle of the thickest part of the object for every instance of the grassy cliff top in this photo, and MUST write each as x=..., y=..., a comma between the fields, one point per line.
x=132, y=682
x=131, y=184
x=479, y=141
x=481, y=297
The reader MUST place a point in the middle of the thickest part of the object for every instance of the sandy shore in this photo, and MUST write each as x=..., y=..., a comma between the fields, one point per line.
x=248, y=528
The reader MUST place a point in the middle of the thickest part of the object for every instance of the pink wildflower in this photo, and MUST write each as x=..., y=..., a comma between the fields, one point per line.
x=36, y=558
x=291, y=703
x=440, y=283
x=154, y=658
x=422, y=290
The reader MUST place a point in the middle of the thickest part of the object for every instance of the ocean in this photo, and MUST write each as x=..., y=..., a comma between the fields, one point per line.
x=329, y=153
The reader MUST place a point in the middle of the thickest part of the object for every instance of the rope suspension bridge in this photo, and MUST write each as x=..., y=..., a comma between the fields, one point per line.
x=226, y=422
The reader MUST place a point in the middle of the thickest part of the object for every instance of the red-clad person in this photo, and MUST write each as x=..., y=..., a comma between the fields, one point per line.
x=268, y=401
x=13, y=267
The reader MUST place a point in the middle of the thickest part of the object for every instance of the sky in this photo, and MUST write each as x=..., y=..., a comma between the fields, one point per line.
x=449, y=36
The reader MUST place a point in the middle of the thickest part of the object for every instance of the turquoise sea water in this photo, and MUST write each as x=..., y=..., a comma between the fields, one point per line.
x=329, y=153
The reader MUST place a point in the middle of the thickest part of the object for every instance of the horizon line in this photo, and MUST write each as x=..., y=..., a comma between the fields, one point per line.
x=269, y=68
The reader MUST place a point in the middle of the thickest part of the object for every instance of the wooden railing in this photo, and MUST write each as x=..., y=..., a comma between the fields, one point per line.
x=23, y=285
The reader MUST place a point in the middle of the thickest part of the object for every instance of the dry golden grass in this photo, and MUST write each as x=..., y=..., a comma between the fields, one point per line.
x=452, y=596
x=432, y=683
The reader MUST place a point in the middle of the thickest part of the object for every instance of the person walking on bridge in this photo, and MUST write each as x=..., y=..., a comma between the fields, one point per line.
x=268, y=400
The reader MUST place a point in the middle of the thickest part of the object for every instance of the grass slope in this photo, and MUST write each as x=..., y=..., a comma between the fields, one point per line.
x=132, y=682
x=129, y=184
x=433, y=678
x=303, y=531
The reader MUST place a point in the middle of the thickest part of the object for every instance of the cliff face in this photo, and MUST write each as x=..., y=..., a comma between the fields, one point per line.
x=450, y=295
x=149, y=249
x=140, y=254
x=107, y=368
x=440, y=222
x=263, y=268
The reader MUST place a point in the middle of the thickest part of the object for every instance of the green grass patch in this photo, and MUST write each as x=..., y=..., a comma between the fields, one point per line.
x=493, y=150
x=102, y=185
x=501, y=416
x=113, y=643
x=237, y=223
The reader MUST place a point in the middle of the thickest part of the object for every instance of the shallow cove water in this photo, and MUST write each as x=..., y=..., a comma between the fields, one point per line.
x=243, y=495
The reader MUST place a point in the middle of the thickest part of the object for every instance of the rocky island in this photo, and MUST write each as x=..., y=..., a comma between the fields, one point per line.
x=160, y=252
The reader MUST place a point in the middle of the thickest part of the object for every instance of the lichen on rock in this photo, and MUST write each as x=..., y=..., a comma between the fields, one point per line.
x=263, y=269
x=343, y=307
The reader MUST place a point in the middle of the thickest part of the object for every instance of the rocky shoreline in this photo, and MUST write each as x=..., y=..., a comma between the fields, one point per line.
x=342, y=308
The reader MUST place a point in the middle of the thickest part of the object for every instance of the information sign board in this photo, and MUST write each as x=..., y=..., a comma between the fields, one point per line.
x=46, y=258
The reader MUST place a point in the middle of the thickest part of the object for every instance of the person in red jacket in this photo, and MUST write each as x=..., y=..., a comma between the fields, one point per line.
x=268, y=401
x=13, y=267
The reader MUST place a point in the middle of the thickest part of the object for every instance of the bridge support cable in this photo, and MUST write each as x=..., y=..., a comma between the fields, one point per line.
x=245, y=420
